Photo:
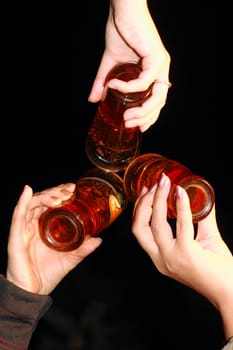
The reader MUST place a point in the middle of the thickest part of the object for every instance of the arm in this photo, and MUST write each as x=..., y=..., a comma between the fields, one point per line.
x=203, y=263
x=131, y=35
x=20, y=312
x=33, y=269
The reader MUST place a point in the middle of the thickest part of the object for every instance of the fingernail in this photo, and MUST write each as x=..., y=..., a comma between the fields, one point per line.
x=154, y=187
x=162, y=180
x=143, y=191
x=56, y=200
x=179, y=192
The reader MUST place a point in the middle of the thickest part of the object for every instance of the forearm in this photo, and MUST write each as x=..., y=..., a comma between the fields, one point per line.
x=125, y=3
x=125, y=7
x=227, y=318
x=20, y=312
x=224, y=296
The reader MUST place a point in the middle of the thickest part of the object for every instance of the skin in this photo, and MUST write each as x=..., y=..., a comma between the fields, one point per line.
x=202, y=262
x=31, y=264
x=134, y=38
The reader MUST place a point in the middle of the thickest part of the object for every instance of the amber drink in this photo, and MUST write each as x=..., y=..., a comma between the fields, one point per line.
x=146, y=169
x=98, y=200
x=109, y=145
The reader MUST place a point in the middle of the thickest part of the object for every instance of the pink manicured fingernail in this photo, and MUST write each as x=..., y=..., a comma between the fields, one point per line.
x=162, y=180
x=153, y=188
x=143, y=191
x=179, y=192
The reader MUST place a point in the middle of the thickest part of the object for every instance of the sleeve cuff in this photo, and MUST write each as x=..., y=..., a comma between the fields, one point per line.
x=229, y=344
x=22, y=303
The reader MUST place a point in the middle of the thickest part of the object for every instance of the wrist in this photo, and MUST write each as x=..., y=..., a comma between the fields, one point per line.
x=226, y=312
x=228, y=343
x=125, y=5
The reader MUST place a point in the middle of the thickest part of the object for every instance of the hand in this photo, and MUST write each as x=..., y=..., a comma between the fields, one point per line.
x=31, y=264
x=134, y=38
x=202, y=262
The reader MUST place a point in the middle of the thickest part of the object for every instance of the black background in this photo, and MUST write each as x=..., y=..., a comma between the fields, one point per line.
x=115, y=299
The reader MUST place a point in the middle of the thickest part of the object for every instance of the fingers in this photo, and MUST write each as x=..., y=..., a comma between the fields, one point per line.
x=53, y=196
x=141, y=220
x=142, y=83
x=147, y=114
x=184, y=223
x=32, y=205
x=155, y=67
x=150, y=217
x=209, y=222
x=88, y=246
x=19, y=214
x=150, y=225
x=208, y=228
x=160, y=227
x=23, y=201
x=105, y=66
x=155, y=71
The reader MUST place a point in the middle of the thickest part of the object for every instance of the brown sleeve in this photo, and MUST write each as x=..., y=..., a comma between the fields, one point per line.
x=20, y=312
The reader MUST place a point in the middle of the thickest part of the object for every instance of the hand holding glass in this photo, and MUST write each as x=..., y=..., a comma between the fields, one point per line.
x=109, y=144
x=98, y=200
x=146, y=169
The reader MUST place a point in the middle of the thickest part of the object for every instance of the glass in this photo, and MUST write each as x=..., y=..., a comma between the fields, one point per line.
x=146, y=169
x=109, y=145
x=98, y=200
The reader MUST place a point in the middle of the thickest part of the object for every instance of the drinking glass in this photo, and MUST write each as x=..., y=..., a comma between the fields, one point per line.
x=109, y=144
x=97, y=202
x=146, y=169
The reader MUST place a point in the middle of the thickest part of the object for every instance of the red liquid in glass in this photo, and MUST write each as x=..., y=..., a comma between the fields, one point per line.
x=95, y=204
x=109, y=145
x=146, y=169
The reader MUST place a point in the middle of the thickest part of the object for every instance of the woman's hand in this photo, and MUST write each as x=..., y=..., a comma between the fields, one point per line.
x=131, y=35
x=31, y=264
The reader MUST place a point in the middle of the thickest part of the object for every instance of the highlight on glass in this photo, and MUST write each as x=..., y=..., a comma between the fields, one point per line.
x=146, y=169
x=109, y=145
x=97, y=202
